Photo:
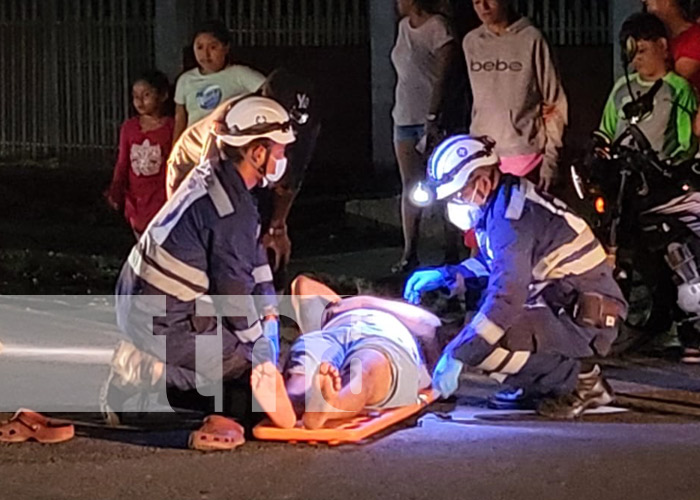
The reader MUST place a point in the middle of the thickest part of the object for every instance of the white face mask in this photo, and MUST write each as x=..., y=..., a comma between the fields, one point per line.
x=280, y=169
x=463, y=215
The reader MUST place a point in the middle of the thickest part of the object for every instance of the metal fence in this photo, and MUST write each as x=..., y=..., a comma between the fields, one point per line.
x=66, y=69
x=571, y=22
x=318, y=23
x=66, y=65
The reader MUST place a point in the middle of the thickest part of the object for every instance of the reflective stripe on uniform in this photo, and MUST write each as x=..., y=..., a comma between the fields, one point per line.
x=498, y=376
x=551, y=267
x=262, y=274
x=173, y=210
x=494, y=360
x=475, y=266
x=557, y=208
x=218, y=196
x=152, y=275
x=581, y=265
x=487, y=329
x=504, y=361
x=544, y=267
x=175, y=266
x=516, y=362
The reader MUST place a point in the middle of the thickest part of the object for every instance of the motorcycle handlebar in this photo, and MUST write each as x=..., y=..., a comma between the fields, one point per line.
x=644, y=149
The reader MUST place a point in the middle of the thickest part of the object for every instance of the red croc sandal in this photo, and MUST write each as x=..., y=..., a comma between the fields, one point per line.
x=28, y=425
x=217, y=433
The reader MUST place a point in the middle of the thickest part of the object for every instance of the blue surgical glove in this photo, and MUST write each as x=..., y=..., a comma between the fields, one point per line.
x=446, y=375
x=422, y=281
x=271, y=331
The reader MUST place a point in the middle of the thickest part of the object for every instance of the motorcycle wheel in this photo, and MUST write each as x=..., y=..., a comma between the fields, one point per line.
x=649, y=313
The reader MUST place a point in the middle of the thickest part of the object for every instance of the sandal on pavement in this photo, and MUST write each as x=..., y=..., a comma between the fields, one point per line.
x=217, y=433
x=26, y=425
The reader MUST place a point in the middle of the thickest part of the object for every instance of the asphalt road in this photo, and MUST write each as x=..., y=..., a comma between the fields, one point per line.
x=516, y=458
x=483, y=455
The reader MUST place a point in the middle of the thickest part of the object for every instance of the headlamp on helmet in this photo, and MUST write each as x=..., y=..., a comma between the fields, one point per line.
x=422, y=194
x=451, y=165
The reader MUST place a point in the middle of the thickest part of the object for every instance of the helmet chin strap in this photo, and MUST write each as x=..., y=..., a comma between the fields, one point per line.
x=262, y=170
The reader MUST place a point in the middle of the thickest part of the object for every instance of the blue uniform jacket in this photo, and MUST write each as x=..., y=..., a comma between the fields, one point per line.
x=201, y=248
x=533, y=250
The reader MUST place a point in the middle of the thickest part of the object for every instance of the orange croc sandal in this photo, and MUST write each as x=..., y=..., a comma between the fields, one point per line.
x=217, y=433
x=28, y=425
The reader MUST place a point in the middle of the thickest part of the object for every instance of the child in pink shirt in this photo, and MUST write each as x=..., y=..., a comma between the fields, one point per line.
x=138, y=185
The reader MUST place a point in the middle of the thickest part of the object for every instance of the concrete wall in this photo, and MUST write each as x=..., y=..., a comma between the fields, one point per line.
x=171, y=31
x=383, y=23
x=619, y=11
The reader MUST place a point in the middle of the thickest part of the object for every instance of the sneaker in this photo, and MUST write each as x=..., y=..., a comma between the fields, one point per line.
x=512, y=399
x=112, y=399
x=131, y=373
x=592, y=391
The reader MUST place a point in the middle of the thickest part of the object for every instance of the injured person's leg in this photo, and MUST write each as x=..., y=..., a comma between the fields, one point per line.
x=360, y=355
x=270, y=392
x=368, y=382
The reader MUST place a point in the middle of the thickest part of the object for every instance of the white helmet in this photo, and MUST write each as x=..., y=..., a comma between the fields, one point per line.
x=452, y=163
x=256, y=117
x=455, y=159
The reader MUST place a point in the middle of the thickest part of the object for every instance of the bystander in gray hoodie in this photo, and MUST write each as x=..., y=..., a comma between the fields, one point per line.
x=518, y=97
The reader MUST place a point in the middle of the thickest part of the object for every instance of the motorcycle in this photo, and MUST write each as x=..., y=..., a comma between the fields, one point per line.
x=646, y=212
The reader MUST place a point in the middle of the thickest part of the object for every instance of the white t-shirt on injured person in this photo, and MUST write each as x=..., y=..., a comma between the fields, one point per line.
x=382, y=324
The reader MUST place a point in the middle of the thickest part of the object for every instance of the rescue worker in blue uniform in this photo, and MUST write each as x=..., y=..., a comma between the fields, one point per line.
x=202, y=252
x=297, y=94
x=551, y=300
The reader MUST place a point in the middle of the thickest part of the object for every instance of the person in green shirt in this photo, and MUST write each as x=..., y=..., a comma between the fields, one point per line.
x=669, y=127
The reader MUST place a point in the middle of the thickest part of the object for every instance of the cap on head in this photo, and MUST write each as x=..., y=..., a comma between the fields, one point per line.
x=256, y=117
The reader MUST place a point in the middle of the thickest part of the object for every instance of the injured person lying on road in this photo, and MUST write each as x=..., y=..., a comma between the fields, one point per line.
x=355, y=354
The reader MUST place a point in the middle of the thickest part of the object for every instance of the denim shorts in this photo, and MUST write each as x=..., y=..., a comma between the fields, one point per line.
x=408, y=132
